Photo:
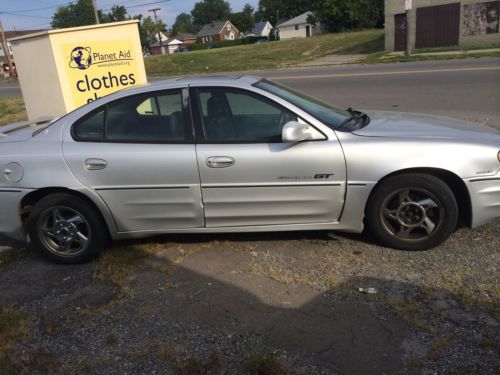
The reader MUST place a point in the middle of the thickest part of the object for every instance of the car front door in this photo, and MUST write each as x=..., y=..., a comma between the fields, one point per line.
x=138, y=154
x=249, y=177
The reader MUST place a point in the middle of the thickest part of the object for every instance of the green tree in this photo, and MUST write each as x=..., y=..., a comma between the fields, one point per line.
x=184, y=24
x=248, y=9
x=143, y=34
x=268, y=10
x=341, y=15
x=207, y=11
x=243, y=21
x=118, y=13
x=80, y=13
x=151, y=29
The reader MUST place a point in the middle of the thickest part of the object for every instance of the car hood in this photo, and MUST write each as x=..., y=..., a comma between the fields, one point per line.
x=411, y=125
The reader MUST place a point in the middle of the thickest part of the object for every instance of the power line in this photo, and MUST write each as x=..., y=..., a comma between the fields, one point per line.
x=14, y=12
x=138, y=5
x=36, y=9
x=20, y=13
x=23, y=15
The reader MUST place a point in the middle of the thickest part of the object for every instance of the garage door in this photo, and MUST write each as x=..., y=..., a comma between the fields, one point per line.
x=438, y=26
x=400, y=32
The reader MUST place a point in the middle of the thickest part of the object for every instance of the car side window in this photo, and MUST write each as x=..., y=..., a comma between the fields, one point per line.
x=239, y=116
x=90, y=128
x=148, y=107
x=150, y=118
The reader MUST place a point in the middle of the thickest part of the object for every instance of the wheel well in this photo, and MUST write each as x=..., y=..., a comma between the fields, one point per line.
x=454, y=182
x=32, y=198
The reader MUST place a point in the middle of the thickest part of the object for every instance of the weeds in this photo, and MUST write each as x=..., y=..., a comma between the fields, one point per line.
x=13, y=326
x=9, y=256
x=11, y=110
x=264, y=363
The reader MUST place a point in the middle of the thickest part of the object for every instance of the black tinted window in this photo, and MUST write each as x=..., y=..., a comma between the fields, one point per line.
x=146, y=118
x=141, y=118
x=91, y=128
x=230, y=115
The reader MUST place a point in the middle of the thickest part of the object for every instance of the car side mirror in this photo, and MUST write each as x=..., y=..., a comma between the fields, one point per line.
x=294, y=132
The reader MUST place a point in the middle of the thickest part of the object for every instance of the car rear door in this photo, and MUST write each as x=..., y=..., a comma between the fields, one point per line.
x=138, y=154
x=248, y=176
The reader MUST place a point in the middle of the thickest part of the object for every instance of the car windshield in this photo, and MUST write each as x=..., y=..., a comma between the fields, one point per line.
x=329, y=115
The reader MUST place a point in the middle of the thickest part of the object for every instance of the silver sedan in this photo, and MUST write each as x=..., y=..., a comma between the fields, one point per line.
x=240, y=154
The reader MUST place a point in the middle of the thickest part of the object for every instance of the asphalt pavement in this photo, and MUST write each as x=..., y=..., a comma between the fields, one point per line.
x=468, y=89
x=465, y=88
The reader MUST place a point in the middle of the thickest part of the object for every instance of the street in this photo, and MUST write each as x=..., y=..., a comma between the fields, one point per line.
x=467, y=89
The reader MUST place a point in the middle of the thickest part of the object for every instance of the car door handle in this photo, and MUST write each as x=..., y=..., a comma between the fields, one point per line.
x=220, y=161
x=95, y=164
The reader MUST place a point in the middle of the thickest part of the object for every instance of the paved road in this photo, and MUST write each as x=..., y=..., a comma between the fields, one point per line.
x=10, y=89
x=467, y=89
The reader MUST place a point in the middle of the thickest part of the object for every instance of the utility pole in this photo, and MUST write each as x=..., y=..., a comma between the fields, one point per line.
x=277, y=33
x=6, y=51
x=95, y=13
x=154, y=10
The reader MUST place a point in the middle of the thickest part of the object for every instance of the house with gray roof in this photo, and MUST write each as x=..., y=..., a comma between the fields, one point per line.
x=299, y=27
x=217, y=31
x=262, y=29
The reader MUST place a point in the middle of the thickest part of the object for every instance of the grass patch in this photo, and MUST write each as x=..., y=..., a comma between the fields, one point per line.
x=9, y=256
x=189, y=365
x=118, y=262
x=490, y=344
x=12, y=110
x=264, y=363
x=13, y=327
x=266, y=55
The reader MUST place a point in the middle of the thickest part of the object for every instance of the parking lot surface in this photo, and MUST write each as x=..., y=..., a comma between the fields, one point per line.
x=278, y=302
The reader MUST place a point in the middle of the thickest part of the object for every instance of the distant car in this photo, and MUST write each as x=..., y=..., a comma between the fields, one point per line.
x=240, y=154
x=260, y=41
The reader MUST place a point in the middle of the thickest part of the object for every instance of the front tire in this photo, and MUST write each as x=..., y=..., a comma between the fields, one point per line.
x=412, y=212
x=65, y=229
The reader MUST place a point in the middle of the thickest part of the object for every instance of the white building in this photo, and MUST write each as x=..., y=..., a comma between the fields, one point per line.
x=262, y=29
x=298, y=27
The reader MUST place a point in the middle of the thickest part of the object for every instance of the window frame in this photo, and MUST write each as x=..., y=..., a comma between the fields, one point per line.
x=197, y=116
x=186, y=111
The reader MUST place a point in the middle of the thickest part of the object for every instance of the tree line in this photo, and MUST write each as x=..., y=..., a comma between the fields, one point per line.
x=335, y=15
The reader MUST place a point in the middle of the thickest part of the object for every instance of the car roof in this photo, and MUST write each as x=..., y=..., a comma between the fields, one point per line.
x=160, y=84
x=208, y=80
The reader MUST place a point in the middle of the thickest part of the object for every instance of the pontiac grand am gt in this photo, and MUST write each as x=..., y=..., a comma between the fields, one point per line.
x=240, y=154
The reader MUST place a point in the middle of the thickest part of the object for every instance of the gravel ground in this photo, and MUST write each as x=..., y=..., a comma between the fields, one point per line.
x=275, y=303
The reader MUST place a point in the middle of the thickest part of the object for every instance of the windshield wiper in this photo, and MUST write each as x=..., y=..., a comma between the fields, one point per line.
x=355, y=115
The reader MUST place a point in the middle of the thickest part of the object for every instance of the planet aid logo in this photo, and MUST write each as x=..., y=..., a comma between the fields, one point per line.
x=81, y=58
x=96, y=69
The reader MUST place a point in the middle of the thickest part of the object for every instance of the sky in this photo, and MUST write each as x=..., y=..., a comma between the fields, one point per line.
x=37, y=19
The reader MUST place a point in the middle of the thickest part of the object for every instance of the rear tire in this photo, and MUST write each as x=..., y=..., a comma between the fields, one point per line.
x=65, y=229
x=412, y=212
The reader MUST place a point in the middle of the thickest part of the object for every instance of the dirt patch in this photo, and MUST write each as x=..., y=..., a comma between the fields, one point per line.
x=275, y=303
